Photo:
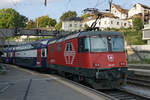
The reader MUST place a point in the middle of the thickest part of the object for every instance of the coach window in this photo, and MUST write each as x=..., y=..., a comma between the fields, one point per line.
x=59, y=47
x=52, y=49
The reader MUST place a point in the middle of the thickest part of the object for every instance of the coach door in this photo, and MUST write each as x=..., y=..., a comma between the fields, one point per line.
x=13, y=57
x=7, y=57
x=39, y=59
x=44, y=52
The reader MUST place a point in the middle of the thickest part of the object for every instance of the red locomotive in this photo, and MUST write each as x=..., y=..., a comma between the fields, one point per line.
x=95, y=57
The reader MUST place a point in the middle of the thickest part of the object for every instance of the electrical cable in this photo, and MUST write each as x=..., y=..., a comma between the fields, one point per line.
x=69, y=1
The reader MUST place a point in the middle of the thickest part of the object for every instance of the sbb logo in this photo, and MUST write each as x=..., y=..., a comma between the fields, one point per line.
x=110, y=57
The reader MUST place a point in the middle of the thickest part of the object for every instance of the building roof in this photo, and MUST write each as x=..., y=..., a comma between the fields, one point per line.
x=144, y=6
x=74, y=19
x=120, y=9
x=104, y=14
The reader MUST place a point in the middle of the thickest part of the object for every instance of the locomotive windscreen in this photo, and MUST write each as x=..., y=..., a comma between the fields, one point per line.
x=101, y=44
x=117, y=44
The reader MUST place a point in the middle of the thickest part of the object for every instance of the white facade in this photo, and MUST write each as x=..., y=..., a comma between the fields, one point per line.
x=90, y=22
x=118, y=13
x=71, y=25
x=108, y=22
x=136, y=9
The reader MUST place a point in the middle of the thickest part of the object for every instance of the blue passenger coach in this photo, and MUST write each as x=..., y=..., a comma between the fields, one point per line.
x=31, y=55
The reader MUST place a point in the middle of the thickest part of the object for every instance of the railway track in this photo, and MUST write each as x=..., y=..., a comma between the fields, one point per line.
x=139, y=80
x=138, y=85
x=123, y=95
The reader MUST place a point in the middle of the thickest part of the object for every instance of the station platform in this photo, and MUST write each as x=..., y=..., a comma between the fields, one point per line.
x=21, y=84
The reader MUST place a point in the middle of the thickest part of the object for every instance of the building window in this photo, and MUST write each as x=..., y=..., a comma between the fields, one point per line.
x=117, y=23
x=99, y=23
x=75, y=25
x=111, y=22
x=80, y=25
x=59, y=47
x=125, y=24
x=70, y=25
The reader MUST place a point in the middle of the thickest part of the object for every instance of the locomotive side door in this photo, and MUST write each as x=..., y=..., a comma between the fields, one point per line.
x=39, y=59
x=51, y=56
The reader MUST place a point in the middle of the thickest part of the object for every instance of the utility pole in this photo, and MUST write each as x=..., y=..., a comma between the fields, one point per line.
x=110, y=4
x=45, y=3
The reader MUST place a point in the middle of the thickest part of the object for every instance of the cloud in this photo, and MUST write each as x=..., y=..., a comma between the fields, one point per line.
x=13, y=3
x=8, y=3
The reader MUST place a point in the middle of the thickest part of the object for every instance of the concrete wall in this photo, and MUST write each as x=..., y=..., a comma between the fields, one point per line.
x=138, y=52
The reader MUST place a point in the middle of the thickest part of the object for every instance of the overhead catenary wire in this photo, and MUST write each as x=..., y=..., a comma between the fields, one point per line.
x=67, y=6
x=14, y=3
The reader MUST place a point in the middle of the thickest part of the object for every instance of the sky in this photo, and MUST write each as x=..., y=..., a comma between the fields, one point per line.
x=55, y=8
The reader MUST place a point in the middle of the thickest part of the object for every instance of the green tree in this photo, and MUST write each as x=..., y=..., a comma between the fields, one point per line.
x=67, y=15
x=58, y=26
x=31, y=24
x=9, y=18
x=137, y=23
x=86, y=26
x=84, y=16
x=45, y=21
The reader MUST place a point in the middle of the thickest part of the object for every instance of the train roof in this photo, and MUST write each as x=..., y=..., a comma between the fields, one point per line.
x=90, y=33
x=82, y=34
x=28, y=46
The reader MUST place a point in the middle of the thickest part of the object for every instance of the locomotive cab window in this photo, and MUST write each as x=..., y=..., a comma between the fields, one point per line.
x=84, y=44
